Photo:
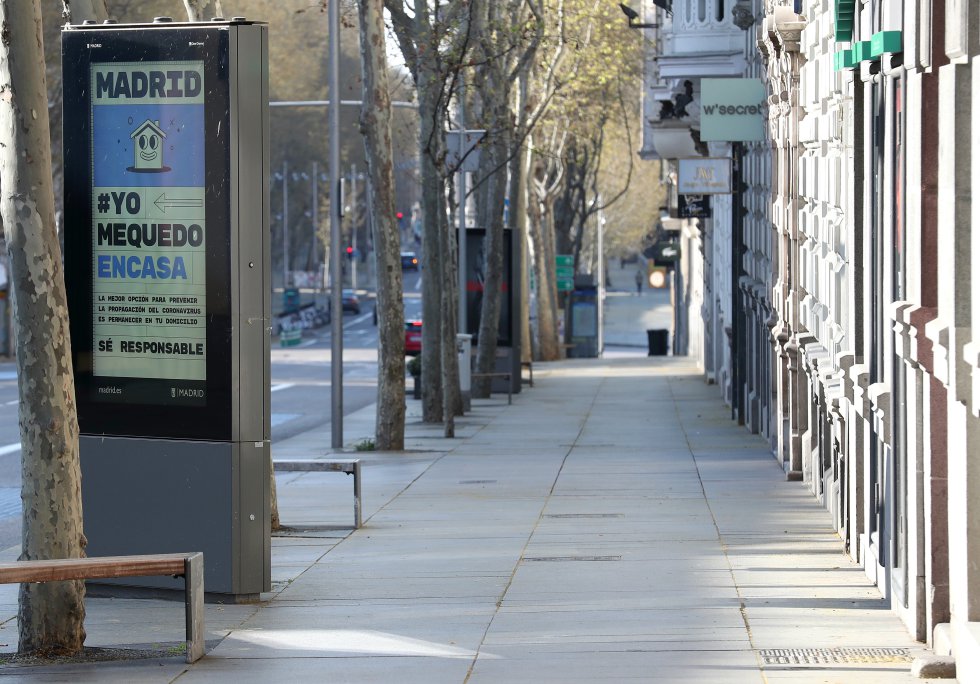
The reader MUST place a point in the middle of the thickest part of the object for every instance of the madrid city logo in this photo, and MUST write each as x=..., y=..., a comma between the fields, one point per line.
x=148, y=140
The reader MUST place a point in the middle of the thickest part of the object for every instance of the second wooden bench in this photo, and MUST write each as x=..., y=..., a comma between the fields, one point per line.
x=504, y=375
x=312, y=465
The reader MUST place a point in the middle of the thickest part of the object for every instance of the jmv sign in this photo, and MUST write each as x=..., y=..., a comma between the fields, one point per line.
x=704, y=176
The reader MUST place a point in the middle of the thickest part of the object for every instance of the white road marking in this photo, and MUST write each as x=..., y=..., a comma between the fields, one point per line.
x=9, y=449
x=11, y=403
x=359, y=319
x=282, y=386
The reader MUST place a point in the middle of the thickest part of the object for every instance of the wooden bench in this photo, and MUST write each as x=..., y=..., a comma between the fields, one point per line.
x=190, y=566
x=312, y=465
x=503, y=374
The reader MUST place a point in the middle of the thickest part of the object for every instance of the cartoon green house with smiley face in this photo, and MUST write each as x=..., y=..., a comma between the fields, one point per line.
x=148, y=147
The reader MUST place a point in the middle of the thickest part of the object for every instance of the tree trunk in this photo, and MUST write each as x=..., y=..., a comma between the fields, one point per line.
x=451, y=399
x=77, y=11
x=389, y=434
x=544, y=269
x=486, y=353
x=433, y=204
x=517, y=219
x=50, y=615
x=202, y=10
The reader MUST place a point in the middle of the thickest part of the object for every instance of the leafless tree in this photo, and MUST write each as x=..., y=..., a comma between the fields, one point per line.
x=376, y=128
x=51, y=615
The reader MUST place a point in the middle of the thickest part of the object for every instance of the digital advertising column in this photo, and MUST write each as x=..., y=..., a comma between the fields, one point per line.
x=167, y=269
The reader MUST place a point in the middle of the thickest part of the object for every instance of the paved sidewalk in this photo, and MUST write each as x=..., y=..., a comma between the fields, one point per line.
x=612, y=525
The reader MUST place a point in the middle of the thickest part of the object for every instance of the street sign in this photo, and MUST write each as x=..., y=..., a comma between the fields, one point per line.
x=565, y=272
x=471, y=151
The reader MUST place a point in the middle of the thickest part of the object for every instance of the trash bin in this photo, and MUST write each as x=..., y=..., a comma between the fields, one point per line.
x=464, y=347
x=657, y=342
x=290, y=300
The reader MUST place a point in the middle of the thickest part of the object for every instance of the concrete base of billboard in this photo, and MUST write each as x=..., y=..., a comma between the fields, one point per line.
x=143, y=496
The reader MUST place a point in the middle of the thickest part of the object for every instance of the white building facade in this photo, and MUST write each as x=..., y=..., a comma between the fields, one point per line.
x=836, y=289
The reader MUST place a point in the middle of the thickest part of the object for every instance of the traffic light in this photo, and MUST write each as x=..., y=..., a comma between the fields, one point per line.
x=350, y=252
x=399, y=216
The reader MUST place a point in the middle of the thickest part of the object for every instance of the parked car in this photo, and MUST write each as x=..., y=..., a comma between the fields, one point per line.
x=410, y=261
x=350, y=302
x=413, y=338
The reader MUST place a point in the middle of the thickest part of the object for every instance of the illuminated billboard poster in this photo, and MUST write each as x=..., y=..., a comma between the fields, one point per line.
x=148, y=221
x=148, y=230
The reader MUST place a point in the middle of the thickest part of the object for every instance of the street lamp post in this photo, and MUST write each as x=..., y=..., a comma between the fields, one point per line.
x=462, y=323
x=314, y=217
x=285, y=225
x=353, y=226
x=336, y=305
x=601, y=272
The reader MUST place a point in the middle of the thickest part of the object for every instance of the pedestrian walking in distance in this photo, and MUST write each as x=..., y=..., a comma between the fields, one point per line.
x=639, y=282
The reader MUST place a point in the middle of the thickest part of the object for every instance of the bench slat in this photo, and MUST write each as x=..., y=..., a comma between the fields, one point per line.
x=103, y=567
x=313, y=465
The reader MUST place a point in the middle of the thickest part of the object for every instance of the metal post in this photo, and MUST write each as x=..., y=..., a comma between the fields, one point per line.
x=461, y=194
x=371, y=240
x=336, y=306
x=738, y=348
x=285, y=225
x=353, y=225
x=601, y=272
x=316, y=220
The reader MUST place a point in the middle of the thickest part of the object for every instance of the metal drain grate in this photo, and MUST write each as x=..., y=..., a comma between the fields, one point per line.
x=583, y=515
x=563, y=559
x=835, y=656
x=478, y=482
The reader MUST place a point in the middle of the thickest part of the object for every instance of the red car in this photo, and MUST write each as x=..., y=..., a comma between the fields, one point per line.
x=413, y=338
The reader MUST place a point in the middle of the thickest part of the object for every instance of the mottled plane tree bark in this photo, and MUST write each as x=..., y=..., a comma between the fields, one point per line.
x=50, y=615
x=389, y=433
x=202, y=10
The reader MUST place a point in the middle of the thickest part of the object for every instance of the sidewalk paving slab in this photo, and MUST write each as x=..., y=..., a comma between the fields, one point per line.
x=611, y=525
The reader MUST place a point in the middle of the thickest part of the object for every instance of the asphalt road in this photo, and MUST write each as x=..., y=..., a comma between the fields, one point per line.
x=301, y=398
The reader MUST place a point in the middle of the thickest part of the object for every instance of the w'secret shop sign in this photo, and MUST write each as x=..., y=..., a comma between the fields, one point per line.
x=732, y=109
x=148, y=220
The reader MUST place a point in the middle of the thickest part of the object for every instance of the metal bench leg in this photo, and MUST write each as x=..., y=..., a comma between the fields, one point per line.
x=509, y=389
x=357, y=496
x=194, y=606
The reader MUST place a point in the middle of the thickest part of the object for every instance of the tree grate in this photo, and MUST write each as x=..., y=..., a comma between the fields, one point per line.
x=478, y=482
x=583, y=515
x=834, y=656
x=565, y=559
